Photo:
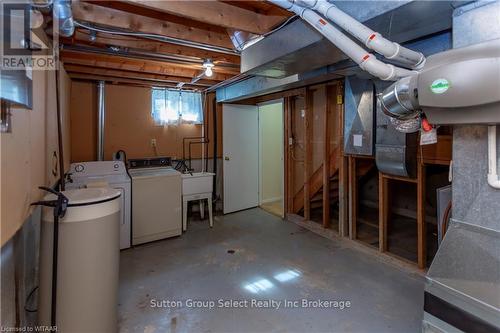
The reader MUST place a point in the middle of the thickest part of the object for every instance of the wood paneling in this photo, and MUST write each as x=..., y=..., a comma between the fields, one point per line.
x=27, y=152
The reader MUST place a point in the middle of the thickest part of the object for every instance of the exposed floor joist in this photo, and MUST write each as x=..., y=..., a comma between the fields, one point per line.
x=132, y=64
x=134, y=75
x=215, y=12
x=82, y=37
x=91, y=13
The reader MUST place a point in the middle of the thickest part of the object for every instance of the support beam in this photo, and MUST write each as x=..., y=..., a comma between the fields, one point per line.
x=132, y=64
x=118, y=80
x=134, y=75
x=91, y=13
x=81, y=37
x=224, y=14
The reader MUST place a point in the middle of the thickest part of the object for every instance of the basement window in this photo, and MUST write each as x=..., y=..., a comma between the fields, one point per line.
x=173, y=107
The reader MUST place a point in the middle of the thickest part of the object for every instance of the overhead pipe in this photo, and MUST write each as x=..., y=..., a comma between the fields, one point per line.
x=63, y=14
x=157, y=37
x=101, y=116
x=493, y=179
x=365, y=60
x=371, y=39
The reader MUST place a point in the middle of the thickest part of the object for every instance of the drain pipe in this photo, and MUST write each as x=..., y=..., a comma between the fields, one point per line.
x=365, y=60
x=493, y=179
x=101, y=116
x=367, y=36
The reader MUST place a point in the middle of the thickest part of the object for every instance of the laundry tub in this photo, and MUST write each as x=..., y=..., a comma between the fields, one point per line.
x=197, y=182
x=197, y=186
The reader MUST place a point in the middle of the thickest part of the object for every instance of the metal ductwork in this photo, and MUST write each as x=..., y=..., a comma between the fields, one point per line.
x=299, y=48
x=395, y=152
x=101, y=118
x=64, y=16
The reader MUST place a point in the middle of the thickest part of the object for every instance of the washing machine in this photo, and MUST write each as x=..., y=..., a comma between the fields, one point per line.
x=107, y=174
x=156, y=199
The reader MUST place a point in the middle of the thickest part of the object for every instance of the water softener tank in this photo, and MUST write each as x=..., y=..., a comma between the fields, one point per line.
x=88, y=262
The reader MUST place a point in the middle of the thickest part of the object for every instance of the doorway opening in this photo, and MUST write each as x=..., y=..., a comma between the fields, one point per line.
x=271, y=160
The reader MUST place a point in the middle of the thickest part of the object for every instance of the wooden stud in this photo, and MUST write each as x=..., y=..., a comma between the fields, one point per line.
x=353, y=198
x=421, y=226
x=344, y=229
x=383, y=207
x=330, y=93
x=307, y=153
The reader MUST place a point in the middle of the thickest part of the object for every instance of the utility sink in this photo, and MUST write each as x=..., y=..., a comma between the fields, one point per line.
x=197, y=182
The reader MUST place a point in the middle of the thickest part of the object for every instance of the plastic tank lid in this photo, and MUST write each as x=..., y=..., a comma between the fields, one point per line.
x=86, y=196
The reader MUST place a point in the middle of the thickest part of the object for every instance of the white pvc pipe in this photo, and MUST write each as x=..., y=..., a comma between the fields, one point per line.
x=365, y=60
x=367, y=36
x=493, y=179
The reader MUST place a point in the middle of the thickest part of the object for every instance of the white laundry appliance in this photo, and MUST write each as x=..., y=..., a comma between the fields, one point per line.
x=156, y=199
x=106, y=174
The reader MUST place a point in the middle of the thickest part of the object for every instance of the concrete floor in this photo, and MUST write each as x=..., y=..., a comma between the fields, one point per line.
x=272, y=260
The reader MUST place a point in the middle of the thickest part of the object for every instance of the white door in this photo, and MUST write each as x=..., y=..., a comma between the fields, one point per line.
x=240, y=140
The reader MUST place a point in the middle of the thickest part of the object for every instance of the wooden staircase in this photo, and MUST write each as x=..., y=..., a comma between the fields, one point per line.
x=316, y=183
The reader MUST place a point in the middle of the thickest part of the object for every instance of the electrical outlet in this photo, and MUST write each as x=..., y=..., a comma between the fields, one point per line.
x=153, y=143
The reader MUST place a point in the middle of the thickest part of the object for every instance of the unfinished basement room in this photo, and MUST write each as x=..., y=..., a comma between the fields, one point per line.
x=242, y=166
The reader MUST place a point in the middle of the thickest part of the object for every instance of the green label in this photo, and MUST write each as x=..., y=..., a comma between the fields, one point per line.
x=440, y=86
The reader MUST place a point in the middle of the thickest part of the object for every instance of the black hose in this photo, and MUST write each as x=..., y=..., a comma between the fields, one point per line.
x=55, y=239
x=59, y=135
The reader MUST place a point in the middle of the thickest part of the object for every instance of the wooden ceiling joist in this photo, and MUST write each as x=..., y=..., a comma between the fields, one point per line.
x=215, y=12
x=103, y=40
x=134, y=75
x=132, y=64
x=135, y=82
x=113, y=18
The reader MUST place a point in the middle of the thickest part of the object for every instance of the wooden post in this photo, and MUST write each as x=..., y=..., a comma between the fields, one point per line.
x=344, y=225
x=330, y=93
x=421, y=227
x=307, y=153
x=353, y=198
x=382, y=211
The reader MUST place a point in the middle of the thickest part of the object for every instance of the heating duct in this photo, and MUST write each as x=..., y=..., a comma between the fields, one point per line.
x=62, y=12
x=366, y=61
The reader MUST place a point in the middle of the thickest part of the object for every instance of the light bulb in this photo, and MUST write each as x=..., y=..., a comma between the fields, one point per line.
x=208, y=71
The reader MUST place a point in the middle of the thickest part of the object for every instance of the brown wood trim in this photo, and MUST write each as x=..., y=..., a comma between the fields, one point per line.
x=307, y=153
x=421, y=225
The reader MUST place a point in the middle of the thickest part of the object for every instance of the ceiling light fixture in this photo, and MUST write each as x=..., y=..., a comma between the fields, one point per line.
x=208, y=65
